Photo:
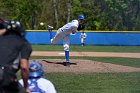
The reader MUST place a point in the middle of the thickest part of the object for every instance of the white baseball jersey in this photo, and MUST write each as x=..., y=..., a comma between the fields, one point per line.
x=83, y=35
x=40, y=85
x=64, y=32
x=70, y=27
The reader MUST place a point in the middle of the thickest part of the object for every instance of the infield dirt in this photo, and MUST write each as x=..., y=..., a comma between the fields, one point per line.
x=56, y=65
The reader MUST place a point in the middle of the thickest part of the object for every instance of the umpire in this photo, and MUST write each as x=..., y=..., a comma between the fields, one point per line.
x=14, y=54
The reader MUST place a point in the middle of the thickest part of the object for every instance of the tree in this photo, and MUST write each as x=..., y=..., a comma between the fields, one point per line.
x=99, y=14
x=55, y=12
x=68, y=10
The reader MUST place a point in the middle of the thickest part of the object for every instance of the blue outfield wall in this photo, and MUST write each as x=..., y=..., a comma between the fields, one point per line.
x=93, y=38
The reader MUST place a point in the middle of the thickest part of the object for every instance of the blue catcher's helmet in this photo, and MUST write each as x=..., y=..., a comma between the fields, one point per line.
x=36, y=69
x=81, y=17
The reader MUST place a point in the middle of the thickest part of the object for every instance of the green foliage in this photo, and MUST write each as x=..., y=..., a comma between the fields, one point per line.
x=22, y=10
x=76, y=8
x=100, y=14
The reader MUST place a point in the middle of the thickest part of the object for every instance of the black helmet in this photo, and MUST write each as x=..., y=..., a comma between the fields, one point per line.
x=2, y=26
x=15, y=27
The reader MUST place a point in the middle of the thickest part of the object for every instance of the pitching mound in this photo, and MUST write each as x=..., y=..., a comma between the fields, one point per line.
x=56, y=65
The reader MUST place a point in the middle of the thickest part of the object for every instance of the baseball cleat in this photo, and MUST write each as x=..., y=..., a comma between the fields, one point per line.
x=50, y=27
x=51, y=41
x=67, y=64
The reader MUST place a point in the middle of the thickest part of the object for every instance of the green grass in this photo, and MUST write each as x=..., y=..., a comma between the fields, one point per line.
x=133, y=62
x=87, y=48
x=96, y=82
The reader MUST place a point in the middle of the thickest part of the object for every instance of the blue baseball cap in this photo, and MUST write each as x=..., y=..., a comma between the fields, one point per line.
x=81, y=17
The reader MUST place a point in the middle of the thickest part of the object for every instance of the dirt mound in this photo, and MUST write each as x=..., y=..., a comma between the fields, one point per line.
x=56, y=65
